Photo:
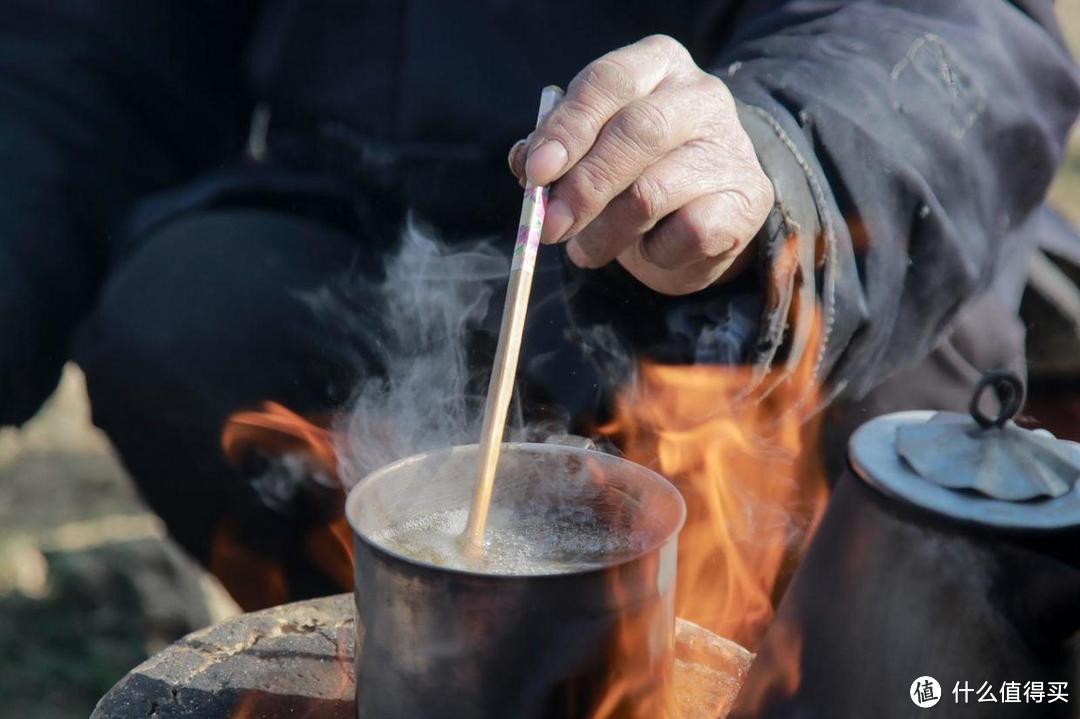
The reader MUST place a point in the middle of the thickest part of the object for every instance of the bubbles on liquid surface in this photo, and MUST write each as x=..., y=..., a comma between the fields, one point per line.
x=556, y=542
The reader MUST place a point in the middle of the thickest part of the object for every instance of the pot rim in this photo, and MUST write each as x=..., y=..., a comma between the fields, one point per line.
x=662, y=482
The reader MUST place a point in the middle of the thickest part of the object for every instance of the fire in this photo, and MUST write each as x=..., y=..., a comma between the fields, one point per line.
x=749, y=494
x=640, y=685
x=275, y=433
x=754, y=488
x=254, y=580
x=748, y=468
x=278, y=430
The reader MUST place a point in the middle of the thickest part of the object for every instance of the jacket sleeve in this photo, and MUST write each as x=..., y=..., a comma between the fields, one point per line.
x=100, y=102
x=905, y=140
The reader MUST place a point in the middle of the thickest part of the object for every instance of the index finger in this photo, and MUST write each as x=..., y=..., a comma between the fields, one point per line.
x=600, y=90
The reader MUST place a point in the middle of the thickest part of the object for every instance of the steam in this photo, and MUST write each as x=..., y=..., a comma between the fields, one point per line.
x=423, y=392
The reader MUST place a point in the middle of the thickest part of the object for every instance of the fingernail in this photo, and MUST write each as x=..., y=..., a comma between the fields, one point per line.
x=546, y=162
x=516, y=159
x=557, y=221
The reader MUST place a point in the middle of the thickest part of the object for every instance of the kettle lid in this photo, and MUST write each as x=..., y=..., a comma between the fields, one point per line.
x=975, y=468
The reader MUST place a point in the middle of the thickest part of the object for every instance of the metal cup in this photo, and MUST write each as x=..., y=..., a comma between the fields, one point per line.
x=434, y=641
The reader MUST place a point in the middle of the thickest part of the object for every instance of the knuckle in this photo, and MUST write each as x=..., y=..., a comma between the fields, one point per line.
x=717, y=89
x=595, y=178
x=667, y=44
x=608, y=78
x=573, y=124
x=726, y=100
x=742, y=204
x=764, y=195
x=582, y=187
x=646, y=198
x=662, y=249
x=694, y=234
x=643, y=126
x=754, y=197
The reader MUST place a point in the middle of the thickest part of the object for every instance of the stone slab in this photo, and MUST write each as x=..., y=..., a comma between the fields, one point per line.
x=296, y=661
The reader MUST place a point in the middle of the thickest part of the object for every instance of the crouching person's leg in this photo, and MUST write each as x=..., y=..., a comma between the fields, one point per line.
x=214, y=315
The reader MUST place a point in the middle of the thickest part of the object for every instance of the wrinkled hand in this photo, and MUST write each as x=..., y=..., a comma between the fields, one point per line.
x=651, y=167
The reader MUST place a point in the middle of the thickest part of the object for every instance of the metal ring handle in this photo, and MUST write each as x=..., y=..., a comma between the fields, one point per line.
x=1010, y=393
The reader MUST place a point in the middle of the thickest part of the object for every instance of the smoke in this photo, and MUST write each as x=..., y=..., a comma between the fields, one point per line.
x=423, y=392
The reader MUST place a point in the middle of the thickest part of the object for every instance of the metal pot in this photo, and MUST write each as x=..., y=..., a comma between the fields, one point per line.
x=438, y=641
x=929, y=566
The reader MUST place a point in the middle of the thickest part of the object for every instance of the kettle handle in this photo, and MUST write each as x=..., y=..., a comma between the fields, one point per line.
x=1009, y=389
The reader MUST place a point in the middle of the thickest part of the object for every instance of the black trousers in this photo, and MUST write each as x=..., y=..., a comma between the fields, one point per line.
x=206, y=318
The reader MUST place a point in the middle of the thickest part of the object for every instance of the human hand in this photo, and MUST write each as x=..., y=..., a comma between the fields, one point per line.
x=649, y=165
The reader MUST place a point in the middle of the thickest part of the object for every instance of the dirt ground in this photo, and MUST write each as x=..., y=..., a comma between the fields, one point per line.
x=89, y=584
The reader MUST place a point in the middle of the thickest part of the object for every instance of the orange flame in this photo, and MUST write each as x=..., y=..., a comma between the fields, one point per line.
x=278, y=430
x=641, y=680
x=754, y=488
x=257, y=581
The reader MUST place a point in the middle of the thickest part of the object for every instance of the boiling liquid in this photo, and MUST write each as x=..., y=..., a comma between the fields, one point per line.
x=553, y=543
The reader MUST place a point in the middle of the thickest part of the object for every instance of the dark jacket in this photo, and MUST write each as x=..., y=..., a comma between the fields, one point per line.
x=910, y=142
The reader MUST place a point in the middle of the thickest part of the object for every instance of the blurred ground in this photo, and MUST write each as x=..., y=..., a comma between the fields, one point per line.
x=89, y=585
